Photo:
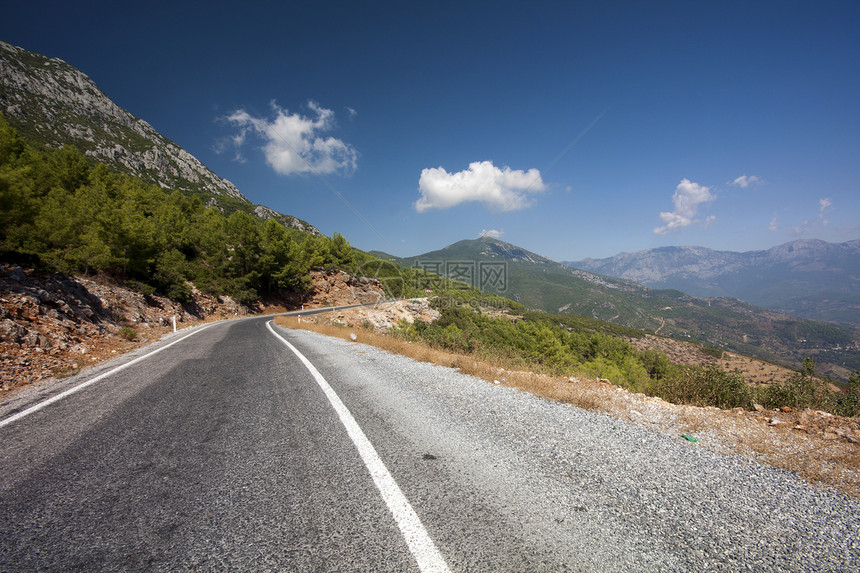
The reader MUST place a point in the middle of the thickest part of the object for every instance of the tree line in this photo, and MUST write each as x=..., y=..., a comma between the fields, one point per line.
x=62, y=211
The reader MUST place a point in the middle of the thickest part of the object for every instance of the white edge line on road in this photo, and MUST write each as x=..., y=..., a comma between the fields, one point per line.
x=83, y=385
x=419, y=542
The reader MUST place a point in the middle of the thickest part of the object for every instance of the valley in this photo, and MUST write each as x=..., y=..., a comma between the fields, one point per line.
x=724, y=323
x=36, y=88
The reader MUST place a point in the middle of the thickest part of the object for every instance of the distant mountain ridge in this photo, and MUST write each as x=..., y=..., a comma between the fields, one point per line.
x=539, y=283
x=54, y=103
x=808, y=278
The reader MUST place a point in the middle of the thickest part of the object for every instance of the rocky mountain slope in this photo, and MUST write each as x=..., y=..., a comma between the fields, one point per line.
x=807, y=278
x=52, y=325
x=52, y=102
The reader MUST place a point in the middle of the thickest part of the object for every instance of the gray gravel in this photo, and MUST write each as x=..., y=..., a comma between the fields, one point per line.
x=562, y=488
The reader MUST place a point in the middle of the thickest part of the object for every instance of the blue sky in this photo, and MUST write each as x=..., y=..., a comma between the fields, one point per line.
x=572, y=129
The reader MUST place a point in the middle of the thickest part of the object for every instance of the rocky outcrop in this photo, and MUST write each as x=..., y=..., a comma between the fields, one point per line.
x=336, y=288
x=382, y=317
x=289, y=221
x=52, y=324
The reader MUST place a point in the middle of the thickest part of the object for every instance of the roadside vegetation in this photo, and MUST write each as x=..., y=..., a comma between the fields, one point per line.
x=493, y=333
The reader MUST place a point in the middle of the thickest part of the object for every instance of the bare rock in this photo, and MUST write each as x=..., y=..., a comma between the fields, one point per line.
x=10, y=331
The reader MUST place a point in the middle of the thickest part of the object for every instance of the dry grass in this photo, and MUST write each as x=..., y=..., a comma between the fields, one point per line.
x=582, y=392
x=819, y=458
x=754, y=370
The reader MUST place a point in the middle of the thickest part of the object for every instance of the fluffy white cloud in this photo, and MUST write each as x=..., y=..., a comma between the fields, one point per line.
x=745, y=181
x=773, y=226
x=293, y=143
x=502, y=189
x=492, y=233
x=687, y=198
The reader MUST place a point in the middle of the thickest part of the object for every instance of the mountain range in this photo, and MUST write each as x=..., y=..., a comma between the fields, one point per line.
x=807, y=278
x=53, y=103
x=725, y=323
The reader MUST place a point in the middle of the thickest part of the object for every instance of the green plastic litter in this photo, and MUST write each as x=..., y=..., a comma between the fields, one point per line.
x=689, y=438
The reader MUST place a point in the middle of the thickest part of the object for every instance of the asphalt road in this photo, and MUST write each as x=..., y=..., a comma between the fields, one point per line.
x=223, y=451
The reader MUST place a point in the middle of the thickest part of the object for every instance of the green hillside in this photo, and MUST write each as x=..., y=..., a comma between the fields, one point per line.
x=60, y=210
x=542, y=284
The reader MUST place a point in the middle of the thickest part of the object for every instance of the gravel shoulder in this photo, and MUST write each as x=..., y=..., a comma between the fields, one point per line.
x=585, y=490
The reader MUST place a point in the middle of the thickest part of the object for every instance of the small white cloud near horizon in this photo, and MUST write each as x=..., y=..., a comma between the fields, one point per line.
x=773, y=225
x=687, y=198
x=492, y=233
x=293, y=143
x=499, y=189
x=825, y=205
x=745, y=181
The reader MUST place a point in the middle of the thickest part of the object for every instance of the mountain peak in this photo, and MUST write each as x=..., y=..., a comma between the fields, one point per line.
x=485, y=247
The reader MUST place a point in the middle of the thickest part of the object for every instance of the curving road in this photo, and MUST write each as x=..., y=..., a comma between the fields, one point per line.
x=226, y=451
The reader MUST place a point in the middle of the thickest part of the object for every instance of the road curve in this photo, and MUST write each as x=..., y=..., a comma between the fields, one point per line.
x=224, y=452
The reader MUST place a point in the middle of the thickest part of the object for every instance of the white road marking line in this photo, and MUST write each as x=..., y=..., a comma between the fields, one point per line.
x=422, y=547
x=83, y=385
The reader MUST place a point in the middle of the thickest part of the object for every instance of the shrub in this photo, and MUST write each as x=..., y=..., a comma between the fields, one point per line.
x=848, y=403
x=127, y=333
x=180, y=292
x=449, y=338
x=800, y=391
x=703, y=386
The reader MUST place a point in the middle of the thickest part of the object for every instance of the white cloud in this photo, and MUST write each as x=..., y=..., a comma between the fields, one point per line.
x=687, y=198
x=745, y=181
x=773, y=225
x=492, y=233
x=825, y=206
x=293, y=143
x=502, y=189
